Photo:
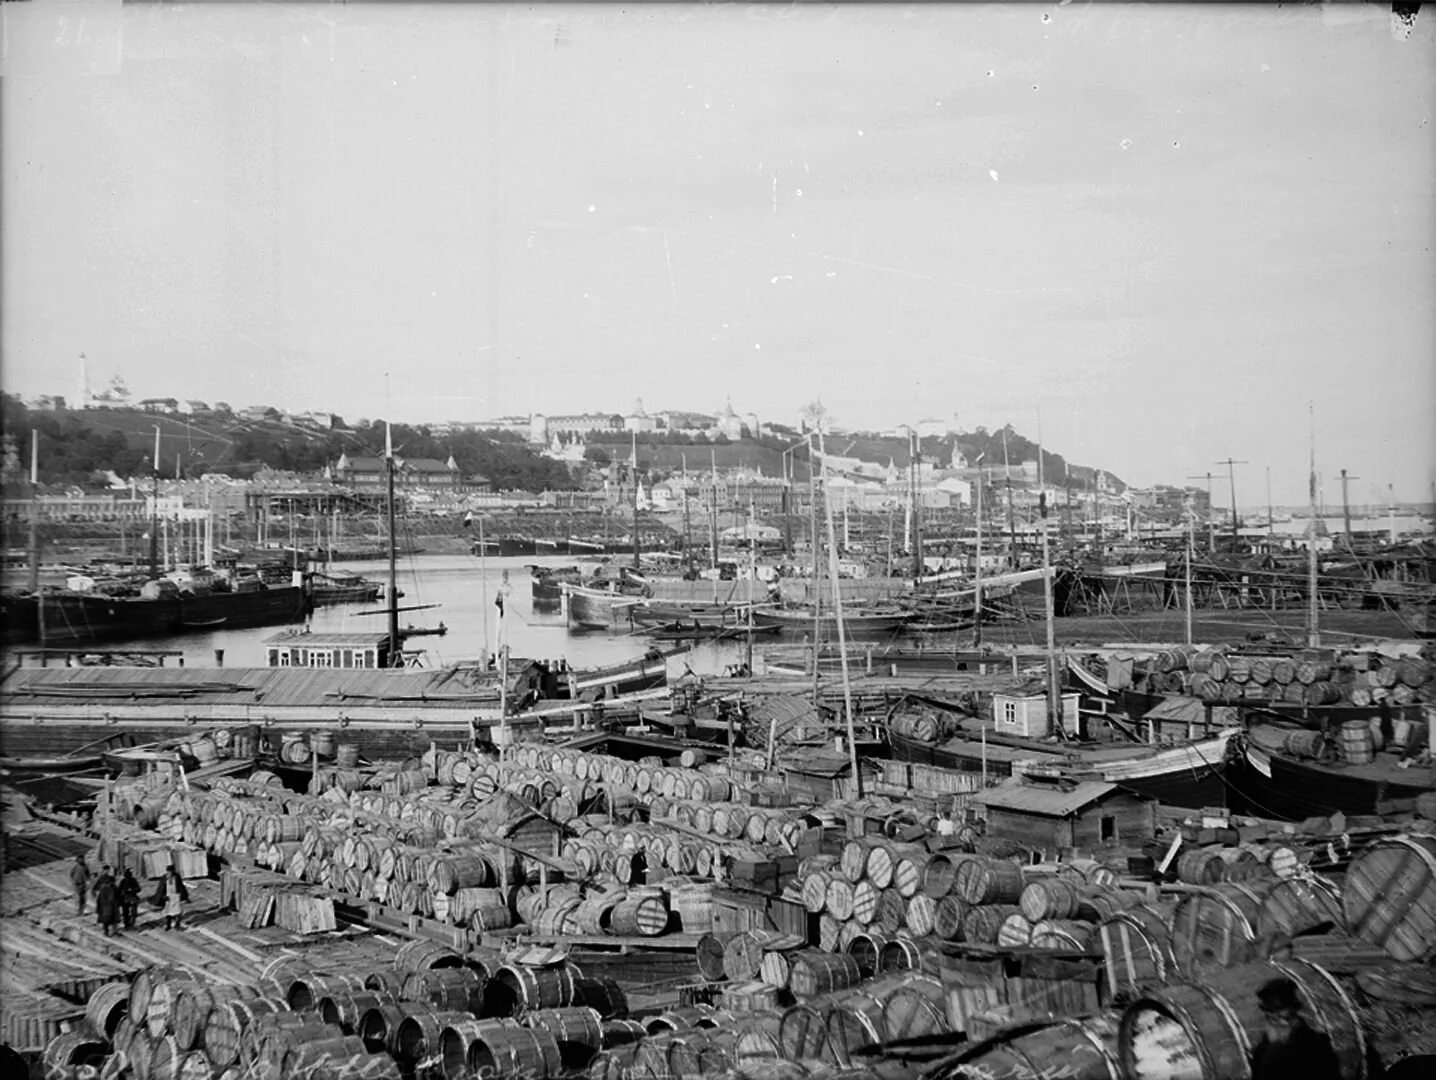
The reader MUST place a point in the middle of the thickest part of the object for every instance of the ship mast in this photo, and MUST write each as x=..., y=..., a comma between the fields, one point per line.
x=155, y=508
x=636, y=563
x=977, y=565
x=1054, y=697
x=1313, y=636
x=395, y=659
x=842, y=633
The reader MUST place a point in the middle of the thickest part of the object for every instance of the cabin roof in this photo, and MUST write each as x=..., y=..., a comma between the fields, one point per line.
x=327, y=640
x=1043, y=800
x=1190, y=710
x=296, y=686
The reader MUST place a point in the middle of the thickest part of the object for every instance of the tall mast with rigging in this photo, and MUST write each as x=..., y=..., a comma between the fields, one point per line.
x=842, y=634
x=1054, y=696
x=1313, y=635
x=395, y=659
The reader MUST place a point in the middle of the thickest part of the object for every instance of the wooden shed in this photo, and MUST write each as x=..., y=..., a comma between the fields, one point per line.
x=1089, y=815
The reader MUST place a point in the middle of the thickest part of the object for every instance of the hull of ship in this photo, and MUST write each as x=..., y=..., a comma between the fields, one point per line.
x=697, y=616
x=79, y=619
x=800, y=623
x=329, y=595
x=592, y=610
x=551, y=547
x=1188, y=774
x=646, y=673
x=1289, y=789
x=515, y=545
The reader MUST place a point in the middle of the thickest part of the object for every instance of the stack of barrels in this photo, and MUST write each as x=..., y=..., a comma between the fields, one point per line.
x=1308, y=678
x=342, y=1015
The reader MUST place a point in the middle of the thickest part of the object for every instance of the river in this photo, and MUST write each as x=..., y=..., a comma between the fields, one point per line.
x=464, y=590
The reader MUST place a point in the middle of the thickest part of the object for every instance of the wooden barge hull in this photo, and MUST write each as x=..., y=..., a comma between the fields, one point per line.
x=80, y=618
x=1185, y=775
x=1286, y=788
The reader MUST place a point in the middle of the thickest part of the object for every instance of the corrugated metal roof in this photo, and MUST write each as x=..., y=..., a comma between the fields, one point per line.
x=1044, y=800
x=445, y=687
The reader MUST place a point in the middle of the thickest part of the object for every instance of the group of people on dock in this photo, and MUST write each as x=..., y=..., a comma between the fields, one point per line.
x=119, y=901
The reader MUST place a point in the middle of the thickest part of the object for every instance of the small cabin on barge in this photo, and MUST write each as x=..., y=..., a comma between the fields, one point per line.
x=303, y=648
x=1048, y=816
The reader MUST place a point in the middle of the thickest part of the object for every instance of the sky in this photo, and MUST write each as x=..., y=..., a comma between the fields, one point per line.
x=1166, y=235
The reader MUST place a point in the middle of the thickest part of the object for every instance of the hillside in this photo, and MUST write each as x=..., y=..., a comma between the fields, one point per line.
x=76, y=444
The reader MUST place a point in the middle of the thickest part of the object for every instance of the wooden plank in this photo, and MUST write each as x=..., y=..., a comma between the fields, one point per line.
x=220, y=939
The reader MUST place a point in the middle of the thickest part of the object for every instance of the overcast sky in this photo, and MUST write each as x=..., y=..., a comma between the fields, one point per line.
x=1164, y=229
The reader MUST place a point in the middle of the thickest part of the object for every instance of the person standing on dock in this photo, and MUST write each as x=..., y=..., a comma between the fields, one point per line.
x=1290, y=1047
x=172, y=896
x=129, y=898
x=80, y=879
x=107, y=901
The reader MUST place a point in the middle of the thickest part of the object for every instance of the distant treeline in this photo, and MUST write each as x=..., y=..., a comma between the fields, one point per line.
x=79, y=447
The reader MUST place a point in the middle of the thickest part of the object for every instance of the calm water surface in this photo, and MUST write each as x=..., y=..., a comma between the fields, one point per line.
x=464, y=589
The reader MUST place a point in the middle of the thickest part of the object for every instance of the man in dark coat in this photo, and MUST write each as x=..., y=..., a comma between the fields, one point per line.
x=1290, y=1048
x=107, y=901
x=80, y=879
x=129, y=898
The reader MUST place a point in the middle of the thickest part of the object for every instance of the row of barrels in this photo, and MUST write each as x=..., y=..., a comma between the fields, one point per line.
x=1203, y=1030
x=648, y=775
x=732, y=820
x=1218, y=676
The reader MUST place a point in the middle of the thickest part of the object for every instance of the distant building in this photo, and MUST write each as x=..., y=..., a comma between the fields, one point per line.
x=639, y=421
x=427, y=473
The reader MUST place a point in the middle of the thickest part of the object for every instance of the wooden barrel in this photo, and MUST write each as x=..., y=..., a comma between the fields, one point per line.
x=947, y=918
x=1068, y=935
x=815, y=891
x=422, y=955
x=345, y=1010
x=921, y=915
x=865, y=948
x=1295, y=906
x=108, y=1005
x=515, y=988
x=982, y=923
x=1321, y=693
x=1261, y=670
x=1052, y=898
x=812, y=972
x=227, y=1022
x=1084, y=1048
x=710, y=954
x=1208, y=1030
x=910, y=871
x=346, y=755
x=639, y=916
x=1389, y=896
x=899, y=954
x=989, y=881
x=916, y=1008
x=1200, y=866
x=939, y=874
x=692, y=903
x=73, y=1050
x=1308, y=745
x=1136, y=949
x=601, y=994
x=891, y=915
x=1356, y=743
x=306, y=992
x=160, y=1014
x=1016, y=930
x=417, y=1037
x=840, y=899
x=854, y=1020
x=803, y=1034
x=866, y=898
x=190, y=1011
x=742, y=957
x=578, y=1032
x=378, y=1027
x=1215, y=928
